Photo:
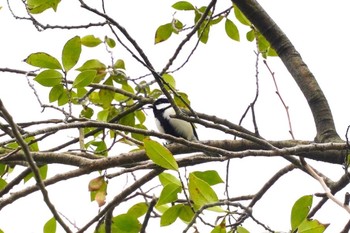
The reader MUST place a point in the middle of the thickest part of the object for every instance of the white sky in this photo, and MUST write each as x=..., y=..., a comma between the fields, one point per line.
x=219, y=79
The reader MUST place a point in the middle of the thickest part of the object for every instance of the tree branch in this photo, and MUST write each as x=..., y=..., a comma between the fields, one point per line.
x=307, y=83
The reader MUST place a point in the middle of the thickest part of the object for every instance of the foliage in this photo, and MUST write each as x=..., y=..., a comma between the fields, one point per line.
x=111, y=114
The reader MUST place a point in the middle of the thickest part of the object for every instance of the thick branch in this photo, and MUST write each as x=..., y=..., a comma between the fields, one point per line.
x=327, y=152
x=307, y=83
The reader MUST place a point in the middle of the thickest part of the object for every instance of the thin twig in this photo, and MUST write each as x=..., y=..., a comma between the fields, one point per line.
x=32, y=166
x=281, y=99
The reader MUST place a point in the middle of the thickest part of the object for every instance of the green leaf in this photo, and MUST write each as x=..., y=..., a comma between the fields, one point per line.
x=137, y=136
x=300, y=211
x=180, y=101
x=186, y=213
x=163, y=33
x=128, y=120
x=271, y=52
x=241, y=17
x=55, y=93
x=126, y=223
x=170, y=215
x=87, y=112
x=203, y=33
x=84, y=78
x=177, y=26
x=3, y=183
x=103, y=115
x=71, y=53
x=39, y=6
x=50, y=226
x=140, y=115
x=169, y=79
x=49, y=78
x=64, y=98
x=3, y=169
x=216, y=20
x=211, y=177
x=200, y=191
x=43, y=60
x=166, y=178
x=312, y=226
x=250, y=35
x=169, y=194
x=92, y=64
x=231, y=30
x=33, y=146
x=81, y=92
x=101, y=147
x=183, y=5
x=119, y=64
x=96, y=65
x=242, y=230
x=138, y=209
x=120, y=97
x=110, y=42
x=42, y=171
x=160, y=155
x=90, y=41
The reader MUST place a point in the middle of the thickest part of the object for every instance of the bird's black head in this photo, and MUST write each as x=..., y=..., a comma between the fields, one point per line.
x=161, y=103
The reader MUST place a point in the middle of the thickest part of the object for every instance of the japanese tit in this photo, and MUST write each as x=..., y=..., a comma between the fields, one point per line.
x=163, y=111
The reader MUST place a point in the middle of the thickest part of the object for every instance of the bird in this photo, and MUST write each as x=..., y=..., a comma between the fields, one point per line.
x=163, y=112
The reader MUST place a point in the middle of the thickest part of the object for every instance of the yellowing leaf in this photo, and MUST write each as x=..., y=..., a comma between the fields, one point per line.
x=160, y=155
x=98, y=189
x=96, y=183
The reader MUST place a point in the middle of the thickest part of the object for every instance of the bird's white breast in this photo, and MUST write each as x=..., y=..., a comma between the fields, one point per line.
x=182, y=127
